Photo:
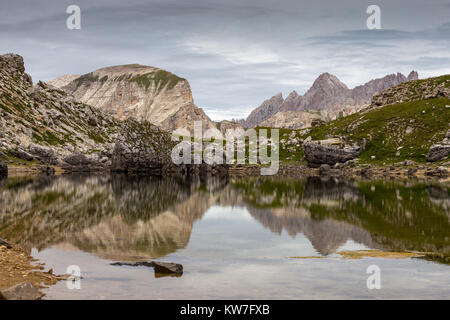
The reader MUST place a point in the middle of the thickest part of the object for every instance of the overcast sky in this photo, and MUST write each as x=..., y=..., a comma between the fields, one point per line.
x=235, y=53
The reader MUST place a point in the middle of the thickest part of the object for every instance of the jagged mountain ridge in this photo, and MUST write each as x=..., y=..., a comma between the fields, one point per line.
x=139, y=92
x=327, y=93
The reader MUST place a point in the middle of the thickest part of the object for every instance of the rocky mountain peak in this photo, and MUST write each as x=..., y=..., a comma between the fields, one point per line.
x=413, y=75
x=137, y=91
x=328, y=82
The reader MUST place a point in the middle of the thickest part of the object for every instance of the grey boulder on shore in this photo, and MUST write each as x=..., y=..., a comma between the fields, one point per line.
x=317, y=154
x=438, y=152
x=21, y=291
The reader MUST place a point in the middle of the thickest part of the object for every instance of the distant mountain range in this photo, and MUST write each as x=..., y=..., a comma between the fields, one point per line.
x=327, y=94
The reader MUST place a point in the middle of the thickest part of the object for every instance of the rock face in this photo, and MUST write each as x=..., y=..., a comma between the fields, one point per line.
x=317, y=154
x=267, y=109
x=3, y=168
x=327, y=94
x=139, y=92
x=141, y=147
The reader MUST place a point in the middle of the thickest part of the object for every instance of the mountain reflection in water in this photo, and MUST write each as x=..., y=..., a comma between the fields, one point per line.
x=127, y=218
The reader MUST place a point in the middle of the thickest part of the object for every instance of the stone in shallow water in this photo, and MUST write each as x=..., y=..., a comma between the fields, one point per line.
x=22, y=291
x=165, y=267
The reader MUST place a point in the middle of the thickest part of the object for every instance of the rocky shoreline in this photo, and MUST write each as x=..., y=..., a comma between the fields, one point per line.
x=21, y=276
x=404, y=170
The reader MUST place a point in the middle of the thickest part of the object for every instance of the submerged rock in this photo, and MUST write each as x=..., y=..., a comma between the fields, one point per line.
x=134, y=264
x=22, y=291
x=167, y=267
x=160, y=267
x=317, y=154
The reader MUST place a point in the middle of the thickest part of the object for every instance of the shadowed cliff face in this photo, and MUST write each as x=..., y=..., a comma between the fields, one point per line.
x=133, y=218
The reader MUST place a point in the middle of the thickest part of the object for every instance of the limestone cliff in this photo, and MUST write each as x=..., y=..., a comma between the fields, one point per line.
x=140, y=92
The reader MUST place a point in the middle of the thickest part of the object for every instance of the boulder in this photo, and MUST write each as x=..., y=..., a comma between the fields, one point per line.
x=168, y=268
x=317, y=154
x=5, y=243
x=22, y=291
x=438, y=152
x=3, y=168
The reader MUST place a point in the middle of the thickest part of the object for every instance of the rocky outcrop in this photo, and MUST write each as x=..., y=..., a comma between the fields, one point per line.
x=318, y=154
x=3, y=168
x=414, y=90
x=327, y=94
x=184, y=119
x=141, y=147
x=139, y=92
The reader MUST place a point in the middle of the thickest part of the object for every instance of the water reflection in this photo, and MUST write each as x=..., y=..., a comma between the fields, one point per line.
x=133, y=218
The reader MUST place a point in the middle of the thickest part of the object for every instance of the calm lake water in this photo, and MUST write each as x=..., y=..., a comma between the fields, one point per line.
x=235, y=238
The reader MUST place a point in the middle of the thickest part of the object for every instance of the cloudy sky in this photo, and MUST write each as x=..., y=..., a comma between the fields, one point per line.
x=235, y=53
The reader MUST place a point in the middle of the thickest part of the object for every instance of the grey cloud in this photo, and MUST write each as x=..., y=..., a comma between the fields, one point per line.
x=234, y=53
